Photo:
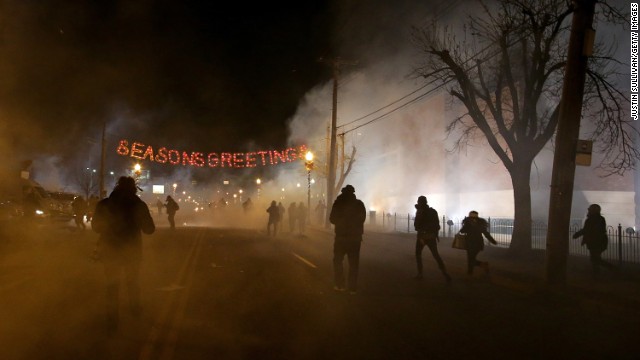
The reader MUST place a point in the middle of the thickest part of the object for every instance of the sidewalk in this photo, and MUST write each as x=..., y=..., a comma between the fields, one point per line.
x=620, y=289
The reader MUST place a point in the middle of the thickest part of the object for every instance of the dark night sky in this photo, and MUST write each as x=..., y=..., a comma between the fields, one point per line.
x=192, y=75
x=189, y=71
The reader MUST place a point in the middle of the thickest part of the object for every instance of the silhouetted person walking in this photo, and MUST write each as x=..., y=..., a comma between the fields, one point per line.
x=120, y=219
x=475, y=227
x=79, y=206
x=348, y=215
x=594, y=235
x=172, y=207
x=293, y=212
x=30, y=203
x=274, y=218
x=91, y=206
x=281, y=211
x=320, y=209
x=427, y=225
x=159, y=206
x=247, y=206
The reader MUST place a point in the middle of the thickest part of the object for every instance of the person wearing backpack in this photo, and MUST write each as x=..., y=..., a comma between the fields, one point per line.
x=172, y=207
x=120, y=220
x=427, y=225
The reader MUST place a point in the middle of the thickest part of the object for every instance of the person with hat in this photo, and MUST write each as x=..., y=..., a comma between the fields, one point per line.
x=120, y=220
x=427, y=225
x=347, y=215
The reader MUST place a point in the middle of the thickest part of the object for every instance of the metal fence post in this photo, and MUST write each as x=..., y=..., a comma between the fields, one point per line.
x=619, y=243
x=395, y=221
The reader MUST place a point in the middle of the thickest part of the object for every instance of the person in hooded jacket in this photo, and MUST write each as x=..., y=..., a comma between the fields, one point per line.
x=347, y=215
x=427, y=225
x=120, y=220
x=594, y=235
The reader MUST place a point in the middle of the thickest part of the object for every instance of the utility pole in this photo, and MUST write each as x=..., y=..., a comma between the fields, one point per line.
x=336, y=64
x=331, y=176
x=564, y=160
x=342, y=153
x=102, y=160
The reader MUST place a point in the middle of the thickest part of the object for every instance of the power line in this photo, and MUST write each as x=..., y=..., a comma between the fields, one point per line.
x=386, y=106
x=410, y=102
x=448, y=6
x=497, y=52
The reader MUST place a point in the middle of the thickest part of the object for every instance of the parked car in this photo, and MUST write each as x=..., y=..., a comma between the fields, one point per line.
x=61, y=207
x=14, y=192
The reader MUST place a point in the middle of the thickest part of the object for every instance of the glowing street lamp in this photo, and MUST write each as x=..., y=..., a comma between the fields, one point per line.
x=258, y=182
x=174, y=189
x=91, y=172
x=137, y=170
x=308, y=164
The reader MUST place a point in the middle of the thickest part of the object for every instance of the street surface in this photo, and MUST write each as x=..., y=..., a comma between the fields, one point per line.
x=232, y=293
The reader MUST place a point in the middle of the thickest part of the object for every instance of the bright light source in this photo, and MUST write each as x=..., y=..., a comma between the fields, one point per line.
x=136, y=167
x=258, y=181
x=308, y=156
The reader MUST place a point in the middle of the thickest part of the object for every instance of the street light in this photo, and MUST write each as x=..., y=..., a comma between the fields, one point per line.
x=308, y=164
x=90, y=188
x=174, y=189
x=258, y=182
x=137, y=170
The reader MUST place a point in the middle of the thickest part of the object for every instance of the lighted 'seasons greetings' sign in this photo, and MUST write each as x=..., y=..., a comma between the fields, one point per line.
x=251, y=159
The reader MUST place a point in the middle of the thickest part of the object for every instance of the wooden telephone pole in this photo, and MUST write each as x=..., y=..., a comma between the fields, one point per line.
x=103, y=155
x=564, y=160
x=336, y=65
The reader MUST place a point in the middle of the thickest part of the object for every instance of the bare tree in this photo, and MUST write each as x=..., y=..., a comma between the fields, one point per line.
x=344, y=172
x=86, y=181
x=346, y=165
x=506, y=66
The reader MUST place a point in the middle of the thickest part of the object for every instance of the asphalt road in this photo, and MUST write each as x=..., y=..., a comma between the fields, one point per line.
x=225, y=293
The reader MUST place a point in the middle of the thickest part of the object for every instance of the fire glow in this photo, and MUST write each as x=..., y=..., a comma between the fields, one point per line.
x=251, y=159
